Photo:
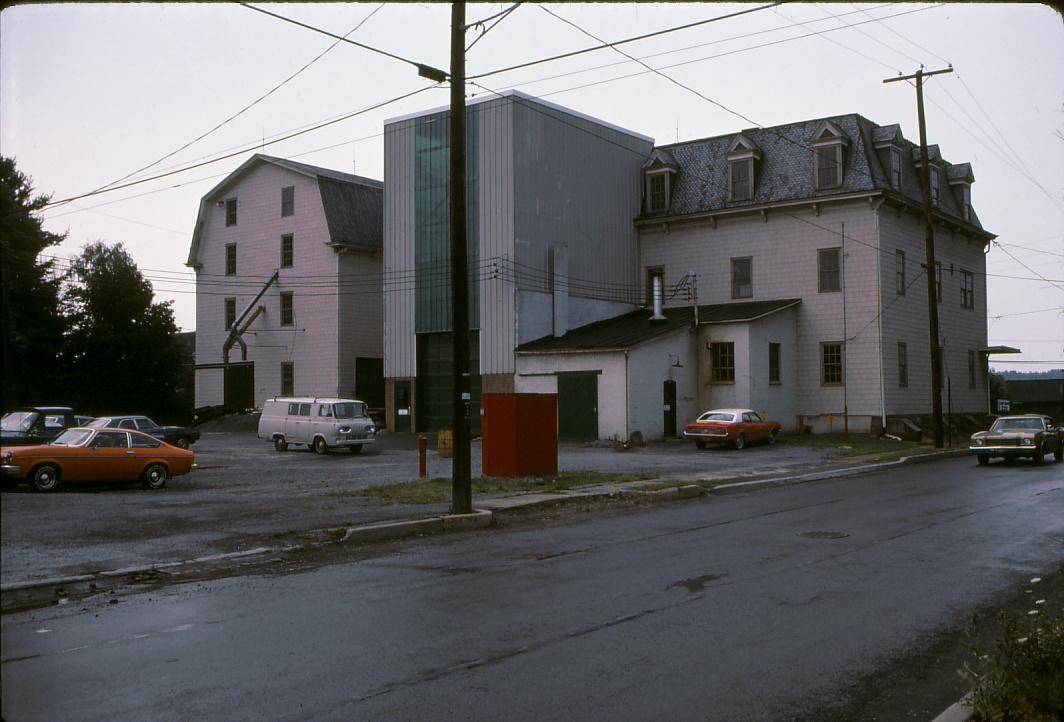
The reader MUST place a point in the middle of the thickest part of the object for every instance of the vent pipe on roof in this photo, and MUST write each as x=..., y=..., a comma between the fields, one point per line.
x=658, y=293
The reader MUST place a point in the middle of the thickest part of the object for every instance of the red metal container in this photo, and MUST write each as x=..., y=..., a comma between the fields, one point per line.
x=519, y=434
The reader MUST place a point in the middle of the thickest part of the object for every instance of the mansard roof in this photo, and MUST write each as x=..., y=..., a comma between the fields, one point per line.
x=785, y=172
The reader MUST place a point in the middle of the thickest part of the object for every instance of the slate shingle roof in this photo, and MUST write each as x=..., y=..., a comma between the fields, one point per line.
x=632, y=329
x=785, y=171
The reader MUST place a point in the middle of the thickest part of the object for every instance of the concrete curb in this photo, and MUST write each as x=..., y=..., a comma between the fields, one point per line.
x=479, y=519
x=958, y=712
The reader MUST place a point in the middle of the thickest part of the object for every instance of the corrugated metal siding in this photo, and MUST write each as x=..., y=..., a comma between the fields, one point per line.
x=578, y=183
x=353, y=212
x=399, y=339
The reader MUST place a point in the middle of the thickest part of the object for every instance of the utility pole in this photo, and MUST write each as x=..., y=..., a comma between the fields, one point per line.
x=929, y=252
x=461, y=486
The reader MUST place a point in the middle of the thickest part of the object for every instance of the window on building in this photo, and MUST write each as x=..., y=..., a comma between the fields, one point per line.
x=652, y=273
x=230, y=259
x=230, y=211
x=895, y=167
x=899, y=273
x=287, y=309
x=230, y=312
x=967, y=289
x=773, y=363
x=903, y=364
x=831, y=363
x=657, y=192
x=288, y=200
x=934, y=185
x=287, y=243
x=742, y=179
x=938, y=281
x=742, y=277
x=829, y=265
x=288, y=380
x=722, y=362
x=966, y=201
x=973, y=359
x=828, y=166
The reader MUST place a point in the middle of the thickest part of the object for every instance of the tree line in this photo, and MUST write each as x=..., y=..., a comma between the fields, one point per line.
x=86, y=333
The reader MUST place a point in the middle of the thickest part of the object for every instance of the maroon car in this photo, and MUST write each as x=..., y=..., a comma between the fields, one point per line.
x=737, y=427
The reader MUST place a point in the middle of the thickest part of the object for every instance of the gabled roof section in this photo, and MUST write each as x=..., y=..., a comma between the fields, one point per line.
x=660, y=159
x=960, y=173
x=888, y=135
x=632, y=329
x=353, y=205
x=828, y=132
x=743, y=146
x=934, y=155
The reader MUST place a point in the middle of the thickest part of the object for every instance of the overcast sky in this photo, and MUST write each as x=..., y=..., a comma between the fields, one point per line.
x=91, y=93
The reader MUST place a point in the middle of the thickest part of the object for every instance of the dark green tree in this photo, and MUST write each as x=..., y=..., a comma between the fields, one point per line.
x=32, y=327
x=123, y=348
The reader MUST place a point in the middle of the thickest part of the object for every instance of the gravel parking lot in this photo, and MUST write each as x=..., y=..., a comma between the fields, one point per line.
x=245, y=495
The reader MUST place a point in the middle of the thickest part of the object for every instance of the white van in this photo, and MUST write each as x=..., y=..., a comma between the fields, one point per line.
x=321, y=423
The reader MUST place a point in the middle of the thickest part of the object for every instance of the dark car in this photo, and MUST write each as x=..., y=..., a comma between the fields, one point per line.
x=35, y=425
x=1031, y=435
x=180, y=436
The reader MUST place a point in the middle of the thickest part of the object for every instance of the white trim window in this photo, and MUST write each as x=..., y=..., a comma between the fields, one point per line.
x=741, y=179
x=828, y=162
x=933, y=172
x=967, y=289
x=895, y=166
x=658, y=191
x=742, y=277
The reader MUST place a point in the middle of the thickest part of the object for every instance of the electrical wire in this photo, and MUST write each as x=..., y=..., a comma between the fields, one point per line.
x=480, y=23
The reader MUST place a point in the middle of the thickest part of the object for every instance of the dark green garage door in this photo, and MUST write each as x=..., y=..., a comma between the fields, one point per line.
x=578, y=406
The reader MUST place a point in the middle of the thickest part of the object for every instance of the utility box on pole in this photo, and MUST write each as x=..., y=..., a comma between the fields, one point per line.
x=519, y=434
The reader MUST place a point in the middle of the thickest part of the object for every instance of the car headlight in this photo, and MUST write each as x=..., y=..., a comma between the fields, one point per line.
x=371, y=429
x=345, y=429
x=1028, y=442
x=978, y=442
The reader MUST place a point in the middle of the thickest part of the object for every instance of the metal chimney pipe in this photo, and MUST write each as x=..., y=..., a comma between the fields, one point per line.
x=658, y=293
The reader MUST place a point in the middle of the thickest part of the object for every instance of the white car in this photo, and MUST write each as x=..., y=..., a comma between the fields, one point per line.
x=321, y=423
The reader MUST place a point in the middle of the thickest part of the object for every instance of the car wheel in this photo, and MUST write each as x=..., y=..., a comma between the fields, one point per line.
x=155, y=476
x=983, y=459
x=700, y=444
x=181, y=443
x=45, y=478
x=1058, y=455
x=740, y=441
x=772, y=437
x=279, y=444
x=1039, y=455
x=356, y=449
x=320, y=447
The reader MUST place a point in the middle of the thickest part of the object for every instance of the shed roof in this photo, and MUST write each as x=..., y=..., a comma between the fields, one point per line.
x=631, y=329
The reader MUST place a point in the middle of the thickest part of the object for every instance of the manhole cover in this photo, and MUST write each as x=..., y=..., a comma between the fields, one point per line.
x=823, y=534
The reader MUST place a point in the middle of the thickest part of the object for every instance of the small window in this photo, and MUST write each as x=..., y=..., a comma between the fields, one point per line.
x=828, y=166
x=293, y=408
x=742, y=179
x=938, y=281
x=325, y=410
x=143, y=441
x=657, y=192
x=288, y=200
x=966, y=201
x=230, y=259
x=751, y=417
x=831, y=371
x=652, y=273
x=288, y=384
x=967, y=289
x=895, y=167
x=934, y=185
x=722, y=361
x=127, y=424
x=742, y=278
x=230, y=211
x=287, y=309
x=899, y=273
x=971, y=369
x=287, y=244
x=230, y=312
x=828, y=262
x=903, y=364
x=304, y=409
x=773, y=363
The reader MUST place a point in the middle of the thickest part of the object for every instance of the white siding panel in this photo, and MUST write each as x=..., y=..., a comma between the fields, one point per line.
x=399, y=337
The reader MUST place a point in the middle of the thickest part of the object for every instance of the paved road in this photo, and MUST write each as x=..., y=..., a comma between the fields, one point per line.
x=246, y=495
x=765, y=605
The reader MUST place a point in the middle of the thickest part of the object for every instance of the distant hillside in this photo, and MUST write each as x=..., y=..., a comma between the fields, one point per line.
x=1054, y=375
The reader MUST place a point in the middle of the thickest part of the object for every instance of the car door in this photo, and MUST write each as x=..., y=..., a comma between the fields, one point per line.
x=755, y=428
x=108, y=457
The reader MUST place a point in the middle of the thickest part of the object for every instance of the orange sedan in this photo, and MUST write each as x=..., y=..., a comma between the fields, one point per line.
x=92, y=455
x=731, y=426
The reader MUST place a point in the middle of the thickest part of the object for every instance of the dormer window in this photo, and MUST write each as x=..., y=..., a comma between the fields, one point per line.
x=966, y=202
x=658, y=173
x=960, y=177
x=934, y=185
x=828, y=145
x=743, y=155
x=895, y=166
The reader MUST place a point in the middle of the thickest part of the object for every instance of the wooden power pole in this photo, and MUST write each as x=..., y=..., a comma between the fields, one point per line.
x=929, y=253
x=461, y=485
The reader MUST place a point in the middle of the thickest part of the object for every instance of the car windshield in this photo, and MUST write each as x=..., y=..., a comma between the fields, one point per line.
x=19, y=420
x=72, y=437
x=1017, y=425
x=349, y=410
x=716, y=416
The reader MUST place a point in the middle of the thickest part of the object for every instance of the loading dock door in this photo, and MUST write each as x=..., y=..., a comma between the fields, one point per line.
x=239, y=388
x=669, y=407
x=578, y=406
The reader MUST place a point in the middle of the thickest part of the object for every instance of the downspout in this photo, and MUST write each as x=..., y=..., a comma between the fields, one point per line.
x=845, y=340
x=627, y=434
x=879, y=319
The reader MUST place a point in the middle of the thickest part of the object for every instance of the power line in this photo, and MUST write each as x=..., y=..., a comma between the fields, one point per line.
x=1052, y=283
x=480, y=23
x=621, y=42
x=1057, y=309
x=906, y=39
x=822, y=35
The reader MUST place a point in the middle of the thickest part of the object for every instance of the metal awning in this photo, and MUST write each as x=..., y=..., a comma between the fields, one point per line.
x=999, y=349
